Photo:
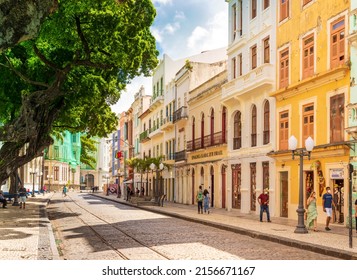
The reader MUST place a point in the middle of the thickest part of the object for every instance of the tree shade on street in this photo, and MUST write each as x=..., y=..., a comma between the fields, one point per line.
x=68, y=76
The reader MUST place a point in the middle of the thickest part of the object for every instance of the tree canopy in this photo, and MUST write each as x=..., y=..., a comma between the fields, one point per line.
x=68, y=76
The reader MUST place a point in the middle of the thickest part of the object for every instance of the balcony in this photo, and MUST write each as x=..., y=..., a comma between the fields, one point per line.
x=180, y=156
x=144, y=136
x=180, y=114
x=210, y=140
x=156, y=101
x=167, y=123
x=155, y=131
x=262, y=77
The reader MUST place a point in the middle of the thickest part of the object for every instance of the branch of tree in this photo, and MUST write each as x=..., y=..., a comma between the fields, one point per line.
x=45, y=60
x=22, y=76
x=83, y=38
x=92, y=64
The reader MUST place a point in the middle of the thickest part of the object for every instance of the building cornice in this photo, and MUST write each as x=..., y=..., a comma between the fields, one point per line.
x=312, y=83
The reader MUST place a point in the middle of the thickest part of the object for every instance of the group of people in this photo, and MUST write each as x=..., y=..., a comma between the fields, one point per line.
x=22, y=198
x=328, y=205
x=203, y=200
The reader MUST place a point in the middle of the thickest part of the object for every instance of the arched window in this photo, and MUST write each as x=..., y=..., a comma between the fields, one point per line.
x=224, y=125
x=193, y=133
x=266, y=131
x=237, y=137
x=202, y=130
x=254, y=126
x=212, y=127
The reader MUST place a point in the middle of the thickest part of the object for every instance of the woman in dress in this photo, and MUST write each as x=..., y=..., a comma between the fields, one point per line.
x=206, y=199
x=312, y=211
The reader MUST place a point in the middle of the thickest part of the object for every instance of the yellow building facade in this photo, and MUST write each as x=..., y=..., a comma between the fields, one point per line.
x=312, y=92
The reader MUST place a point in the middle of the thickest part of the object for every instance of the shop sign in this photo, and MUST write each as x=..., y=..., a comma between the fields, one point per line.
x=336, y=173
x=206, y=155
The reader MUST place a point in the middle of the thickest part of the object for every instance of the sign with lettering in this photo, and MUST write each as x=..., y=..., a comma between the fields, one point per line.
x=336, y=173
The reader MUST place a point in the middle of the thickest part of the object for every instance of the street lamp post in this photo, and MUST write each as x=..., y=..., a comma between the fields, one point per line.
x=33, y=172
x=39, y=182
x=309, y=144
x=157, y=169
x=49, y=177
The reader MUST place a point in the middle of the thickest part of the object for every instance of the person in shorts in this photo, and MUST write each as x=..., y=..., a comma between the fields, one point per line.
x=327, y=203
x=22, y=196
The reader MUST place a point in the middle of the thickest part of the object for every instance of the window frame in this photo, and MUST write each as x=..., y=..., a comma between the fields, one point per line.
x=254, y=57
x=283, y=143
x=284, y=7
x=285, y=81
x=338, y=32
x=309, y=70
x=266, y=50
x=308, y=129
x=253, y=9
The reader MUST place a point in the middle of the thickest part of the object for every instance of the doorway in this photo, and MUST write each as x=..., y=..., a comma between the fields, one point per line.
x=338, y=198
x=284, y=194
x=212, y=186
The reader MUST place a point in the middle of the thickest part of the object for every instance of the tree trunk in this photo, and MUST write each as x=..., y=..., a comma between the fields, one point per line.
x=20, y=20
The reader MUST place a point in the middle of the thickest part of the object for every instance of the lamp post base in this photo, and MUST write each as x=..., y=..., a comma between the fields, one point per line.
x=301, y=229
x=16, y=201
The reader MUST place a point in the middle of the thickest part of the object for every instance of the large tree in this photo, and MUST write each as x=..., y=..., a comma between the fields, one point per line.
x=69, y=75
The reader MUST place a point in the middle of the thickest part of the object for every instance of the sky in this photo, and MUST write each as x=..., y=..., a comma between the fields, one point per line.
x=182, y=28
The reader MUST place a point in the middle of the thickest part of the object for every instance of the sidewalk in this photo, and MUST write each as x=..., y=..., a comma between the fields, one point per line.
x=334, y=243
x=26, y=234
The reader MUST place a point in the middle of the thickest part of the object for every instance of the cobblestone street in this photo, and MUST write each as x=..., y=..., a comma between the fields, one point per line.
x=88, y=227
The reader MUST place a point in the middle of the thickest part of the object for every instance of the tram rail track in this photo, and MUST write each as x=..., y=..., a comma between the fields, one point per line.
x=99, y=235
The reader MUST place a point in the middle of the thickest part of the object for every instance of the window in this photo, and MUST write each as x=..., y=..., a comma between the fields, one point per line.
x=284, y=68
x=56, y=152
x=237, y=138
x=234, y=68
x=254, y=56
x=254, y=127
x=306, y=2
x=234, y=20
x=283, y=130
x=240, y=65
x=284, y=9
x=308, y=57
x=202, y=130
x=337, y=47
x=254, y=9
x=266, y=132
x=337, y=127
x=266, y=50
x=212, y=127
x=308, y=122
x=266, y=4
x=56, y=173
x=240, y=18
x=193, y=133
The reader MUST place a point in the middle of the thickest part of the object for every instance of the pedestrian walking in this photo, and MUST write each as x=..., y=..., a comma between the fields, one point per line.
x=327, y=202
x=199, y=199
x=3, y=199
x=64, y=190
x=23, y=197
x=206, y=201
x=312, y=211
x=263, y=200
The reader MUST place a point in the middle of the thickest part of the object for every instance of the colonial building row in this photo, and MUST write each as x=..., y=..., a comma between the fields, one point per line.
x=223, y=118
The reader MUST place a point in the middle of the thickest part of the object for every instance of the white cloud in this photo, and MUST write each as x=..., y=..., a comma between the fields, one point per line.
x=172, y=28
x=163, y=2
x=127, y=97
x=198, y=35
x=212, y=35
x=156, y=33
x=179, y=15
